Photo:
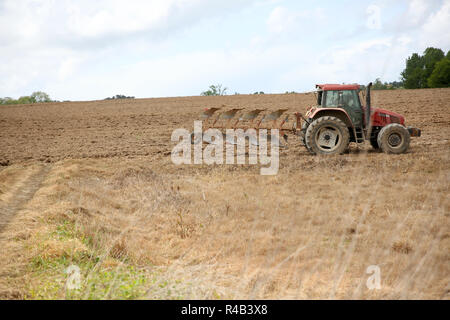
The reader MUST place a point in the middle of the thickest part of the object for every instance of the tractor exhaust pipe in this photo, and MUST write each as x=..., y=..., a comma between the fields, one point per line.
x=367, y=115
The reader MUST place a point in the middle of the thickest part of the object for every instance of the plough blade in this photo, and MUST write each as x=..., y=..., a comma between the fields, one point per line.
x=209, y=112
x=229, y=114
x=252, y=115
x=274, y=115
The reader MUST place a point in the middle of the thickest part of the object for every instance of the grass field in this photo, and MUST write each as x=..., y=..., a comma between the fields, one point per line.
x=92, y=184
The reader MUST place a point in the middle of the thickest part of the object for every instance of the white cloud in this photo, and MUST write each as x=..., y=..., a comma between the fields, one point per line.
x=20, y=20
x=68, y=66
x=436, y=30
x=283, y=20
x=48, y=41
x=184, y=73
x=280, y=20
x=404, y=40
x=418, y=11
x=84, y=19
x=342, y=64
x=116, y=17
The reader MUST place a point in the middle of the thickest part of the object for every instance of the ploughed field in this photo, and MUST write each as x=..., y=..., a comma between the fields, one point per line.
x=130, y=128
x=92, y=184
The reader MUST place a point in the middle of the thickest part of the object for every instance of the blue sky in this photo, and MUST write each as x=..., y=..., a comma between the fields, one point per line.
x=87, y=50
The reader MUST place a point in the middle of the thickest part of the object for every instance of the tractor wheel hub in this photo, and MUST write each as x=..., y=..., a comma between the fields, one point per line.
x=327, y=138
x=394, y=139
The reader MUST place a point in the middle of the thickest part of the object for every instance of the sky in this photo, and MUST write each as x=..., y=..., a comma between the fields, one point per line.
x=90, y=50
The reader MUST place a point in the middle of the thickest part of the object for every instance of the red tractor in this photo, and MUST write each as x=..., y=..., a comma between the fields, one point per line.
x=340, y=118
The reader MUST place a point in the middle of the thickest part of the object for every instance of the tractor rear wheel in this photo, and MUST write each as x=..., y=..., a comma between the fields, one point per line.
x=302, y=135
x=303, y=132
x=327, y=135
x=394, y=138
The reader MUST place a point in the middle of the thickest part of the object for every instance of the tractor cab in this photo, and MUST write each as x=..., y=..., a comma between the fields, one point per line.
x=344, y=97
x=338, y=95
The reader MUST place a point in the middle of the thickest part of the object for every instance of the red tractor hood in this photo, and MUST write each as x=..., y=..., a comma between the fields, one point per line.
x=382, y=117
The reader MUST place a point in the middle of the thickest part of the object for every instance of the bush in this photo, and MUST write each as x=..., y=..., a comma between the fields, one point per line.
x=440, y=78
x=214, y=90
x=119, y=96
x=379, y=85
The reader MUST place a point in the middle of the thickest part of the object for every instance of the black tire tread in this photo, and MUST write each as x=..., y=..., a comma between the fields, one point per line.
x=374, y=143
x=383, y=134
x=303, y=133
x=309, y=136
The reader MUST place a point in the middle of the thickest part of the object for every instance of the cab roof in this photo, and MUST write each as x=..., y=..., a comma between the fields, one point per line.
x=326, y=87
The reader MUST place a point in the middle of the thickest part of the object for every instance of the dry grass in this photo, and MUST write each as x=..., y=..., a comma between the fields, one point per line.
x=309, y=232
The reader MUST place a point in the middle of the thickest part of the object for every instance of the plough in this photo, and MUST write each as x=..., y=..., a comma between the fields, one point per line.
x=257, y=119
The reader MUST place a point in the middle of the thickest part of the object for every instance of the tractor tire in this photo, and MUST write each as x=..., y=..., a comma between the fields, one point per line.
x=394, y=138
x=327, y=135
x=303, y=132
x=374, y=143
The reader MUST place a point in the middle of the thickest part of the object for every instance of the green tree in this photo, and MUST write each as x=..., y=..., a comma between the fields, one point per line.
x=6, y=100
x=440, y=78
x=39, y=97
x=378, y=85
x=396, y=84
x=413, y=76
x=215, y=90
x=25, y=100
x=419, y=68
x=431, y=56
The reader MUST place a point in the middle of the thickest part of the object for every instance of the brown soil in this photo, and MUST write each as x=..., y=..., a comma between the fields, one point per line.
x=101, y=129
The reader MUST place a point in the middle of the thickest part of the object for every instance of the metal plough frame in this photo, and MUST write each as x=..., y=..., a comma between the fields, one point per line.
x=254, y=119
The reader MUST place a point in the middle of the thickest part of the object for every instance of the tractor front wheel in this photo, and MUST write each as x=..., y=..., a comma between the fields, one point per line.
x=394, y=138
x=327, y=135
x=374, y=143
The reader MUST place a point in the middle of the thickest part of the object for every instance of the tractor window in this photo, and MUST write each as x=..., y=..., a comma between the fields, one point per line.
x=319, y=98
x=332, y=98
x=345, y=98
x=350, y=99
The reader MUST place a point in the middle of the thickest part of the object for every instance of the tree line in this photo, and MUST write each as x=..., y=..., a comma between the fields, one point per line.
x=119, y=96
x=35, y=97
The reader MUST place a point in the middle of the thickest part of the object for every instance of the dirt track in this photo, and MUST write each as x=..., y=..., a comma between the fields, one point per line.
x=21, y=194
x=128, y=128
